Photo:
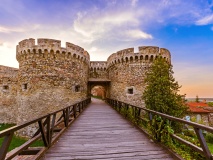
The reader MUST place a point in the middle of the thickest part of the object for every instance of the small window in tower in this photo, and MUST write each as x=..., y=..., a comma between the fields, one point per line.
x=77, y=88
x=130, y=90
x=24, y=86
x=5, y=87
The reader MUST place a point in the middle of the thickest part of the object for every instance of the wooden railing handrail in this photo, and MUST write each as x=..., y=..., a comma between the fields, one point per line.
x=207, y=128
x=197, y=127
x=47, y=124
x=201, y=126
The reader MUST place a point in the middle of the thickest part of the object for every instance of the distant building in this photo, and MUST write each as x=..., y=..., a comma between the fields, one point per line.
x=200, y=112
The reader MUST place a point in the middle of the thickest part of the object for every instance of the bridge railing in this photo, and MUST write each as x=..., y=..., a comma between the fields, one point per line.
x=198, y=128
x=50, y=127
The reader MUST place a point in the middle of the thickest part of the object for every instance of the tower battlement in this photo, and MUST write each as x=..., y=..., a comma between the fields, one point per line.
x=145, y=54
x=49, y=48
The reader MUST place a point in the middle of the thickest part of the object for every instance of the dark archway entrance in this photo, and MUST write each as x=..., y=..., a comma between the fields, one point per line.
x=102, y=84
x=99, y=92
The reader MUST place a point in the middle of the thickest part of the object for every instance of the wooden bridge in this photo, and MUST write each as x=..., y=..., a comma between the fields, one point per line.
x=99, y=132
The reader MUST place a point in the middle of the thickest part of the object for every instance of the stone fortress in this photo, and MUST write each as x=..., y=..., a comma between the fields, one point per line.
x=51, y=77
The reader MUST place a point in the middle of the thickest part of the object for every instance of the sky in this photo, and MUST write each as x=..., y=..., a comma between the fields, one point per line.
x=103, y=27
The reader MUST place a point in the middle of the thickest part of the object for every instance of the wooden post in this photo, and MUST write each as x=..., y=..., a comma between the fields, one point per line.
x=138, y=116
x=79, y=107
x=150, y=116
x=126, y=110
x=135, y=113
x=52, y=127
x=48, y=131
x=5, y=145
x=44, y=138
x=67, y=117
x=74, y=110
x=203, y=144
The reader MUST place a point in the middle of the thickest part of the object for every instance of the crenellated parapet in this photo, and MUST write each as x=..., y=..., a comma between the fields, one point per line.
x=49, y=49
x=98, y=69
x=77, y=51
x=102, y=65
x=146, y=54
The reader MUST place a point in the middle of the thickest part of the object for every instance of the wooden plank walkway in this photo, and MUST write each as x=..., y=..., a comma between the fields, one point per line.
x=101, y=133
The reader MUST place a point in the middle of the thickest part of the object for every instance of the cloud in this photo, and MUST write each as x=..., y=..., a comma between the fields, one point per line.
x=1, y=43
x=109, y=25
x=93, y=49
x=138, y=34
x=7, y=56
x=134, y=3
x=9, y=30
x=4, y=29
x=205, y=20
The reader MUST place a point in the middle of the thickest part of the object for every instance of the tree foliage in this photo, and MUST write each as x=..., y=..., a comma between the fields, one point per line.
x=161, y=92
x=210, y=104
x=197, y=99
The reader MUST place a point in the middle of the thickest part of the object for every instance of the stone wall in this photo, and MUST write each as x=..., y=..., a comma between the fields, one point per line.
x=98, y=70
x=8, y=99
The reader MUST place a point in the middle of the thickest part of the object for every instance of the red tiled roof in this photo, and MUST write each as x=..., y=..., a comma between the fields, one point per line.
x=200, y=107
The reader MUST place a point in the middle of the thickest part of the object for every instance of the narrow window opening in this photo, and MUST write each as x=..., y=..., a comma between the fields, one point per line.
x=25, y=86
x=5, y=87
x=77, y=88
x=130, y=91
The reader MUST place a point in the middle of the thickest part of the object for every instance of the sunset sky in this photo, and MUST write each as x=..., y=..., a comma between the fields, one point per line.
x=102, y=27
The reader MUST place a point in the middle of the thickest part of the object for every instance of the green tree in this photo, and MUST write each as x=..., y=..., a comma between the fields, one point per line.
x=210, y=104
x=197, y=99
x=161, y=94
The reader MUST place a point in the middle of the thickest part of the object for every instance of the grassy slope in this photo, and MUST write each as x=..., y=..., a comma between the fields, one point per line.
x=16, y=141
x=210, y=147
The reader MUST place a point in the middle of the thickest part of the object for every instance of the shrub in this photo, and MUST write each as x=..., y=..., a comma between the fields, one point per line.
x=189, y=133
x=209, y=137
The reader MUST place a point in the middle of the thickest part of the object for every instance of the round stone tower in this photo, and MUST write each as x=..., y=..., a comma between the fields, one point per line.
x=50, y=77
x=127, y=69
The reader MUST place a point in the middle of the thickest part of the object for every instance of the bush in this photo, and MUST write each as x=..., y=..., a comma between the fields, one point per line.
x=210, y=104
x=189, y=133
x=209, y=137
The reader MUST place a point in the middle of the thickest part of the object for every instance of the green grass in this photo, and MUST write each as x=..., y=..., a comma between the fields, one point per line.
x=5, y=126
x=210, y=145
x=17, y=141
x=97, y=97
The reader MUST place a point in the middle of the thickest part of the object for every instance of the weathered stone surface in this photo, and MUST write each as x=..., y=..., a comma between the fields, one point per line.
x=8, y=100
